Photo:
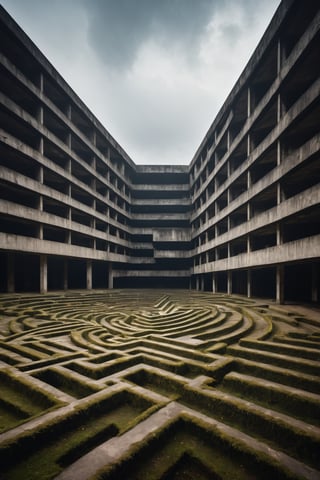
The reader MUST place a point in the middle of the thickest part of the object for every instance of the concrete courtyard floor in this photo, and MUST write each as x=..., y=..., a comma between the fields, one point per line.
x=155, y=384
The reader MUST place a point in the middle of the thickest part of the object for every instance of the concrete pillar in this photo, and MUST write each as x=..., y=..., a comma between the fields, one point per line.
x=40, y=117
x=68, y=167
x=65, y=274
x=110, y=276
x=229, y=283
x=248, y=145
x=280, y=284
x=279, y=153
x=43, y=274
x=214, y=285
x=68, y=234
x=279, y=193
x=279, y=234
x=279, y=108
x=89, y=274
x=40, y=175
x=249, y=289
x=10, y=274
x=280, y=56
x=69, y=111
x=248, y=244
x=197, y=283
x=202, y=283
x=249, y=211
x=249, y=103
x=41, y=79
x=315, y=284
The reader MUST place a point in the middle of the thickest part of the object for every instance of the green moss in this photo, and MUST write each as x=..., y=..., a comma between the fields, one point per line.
x=107, y=332
x=64, y=438
x=158, y=383
x=67, y=383
x=184, y=443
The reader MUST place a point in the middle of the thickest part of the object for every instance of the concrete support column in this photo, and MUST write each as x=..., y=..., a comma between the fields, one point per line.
x=279, y=234
x=41, y=82
x=249, y=211
x=10, y=274
x=89, y=274
x=214, y=284
x=279, y=108
x=93, y=138
x=248, y=145
x=110, y=276
x=40, y=117
x=69, y=111
x=41, y=147
x=249, y=180
x=65, y=274
x=249, y=103
x=229, y=283
x=249, y=289
x=248, y=244
x=315, y=284
x=43, y=274
x=280, y=284
x=202, y=283
x=93, y=185
x=68, y=167
x=280, y=56
x=68, y=237
x=279, y=152
x=197, y=283
x=40, y=174
x=279, y=193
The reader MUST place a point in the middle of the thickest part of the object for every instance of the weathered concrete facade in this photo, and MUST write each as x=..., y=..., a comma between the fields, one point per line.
x=243, y=217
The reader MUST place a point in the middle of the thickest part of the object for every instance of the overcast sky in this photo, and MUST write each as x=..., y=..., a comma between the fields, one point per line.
x=154, y=72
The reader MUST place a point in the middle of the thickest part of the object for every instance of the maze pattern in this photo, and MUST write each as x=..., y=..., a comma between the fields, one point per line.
x=150, y=384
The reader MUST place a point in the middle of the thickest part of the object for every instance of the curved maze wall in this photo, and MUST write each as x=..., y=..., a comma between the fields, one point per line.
x=157, y=385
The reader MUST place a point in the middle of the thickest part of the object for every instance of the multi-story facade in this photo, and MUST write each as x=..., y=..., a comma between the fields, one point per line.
x=243, y=217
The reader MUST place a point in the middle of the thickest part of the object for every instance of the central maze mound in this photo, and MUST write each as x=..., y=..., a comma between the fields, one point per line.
x=157, y=385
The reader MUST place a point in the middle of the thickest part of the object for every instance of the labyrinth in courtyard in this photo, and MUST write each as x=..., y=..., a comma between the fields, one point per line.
x=157, y=385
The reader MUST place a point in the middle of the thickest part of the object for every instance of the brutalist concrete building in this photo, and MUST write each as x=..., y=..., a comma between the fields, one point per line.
x=243, y=217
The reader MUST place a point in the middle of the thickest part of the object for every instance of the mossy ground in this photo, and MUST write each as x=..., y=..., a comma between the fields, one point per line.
x=61, y=350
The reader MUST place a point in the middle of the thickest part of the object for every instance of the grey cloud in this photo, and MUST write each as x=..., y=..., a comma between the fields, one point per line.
x=118, y=28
